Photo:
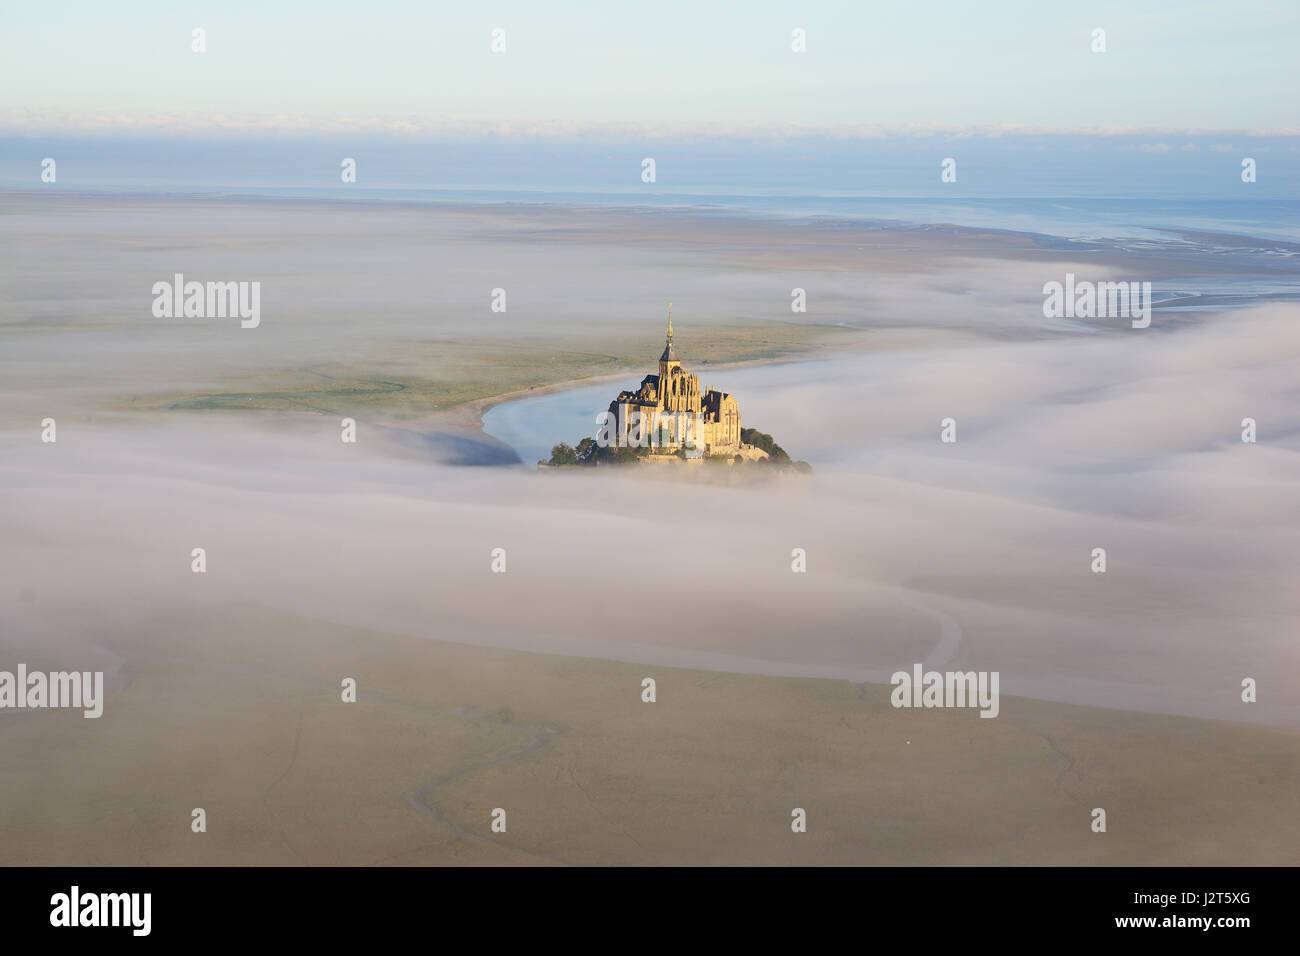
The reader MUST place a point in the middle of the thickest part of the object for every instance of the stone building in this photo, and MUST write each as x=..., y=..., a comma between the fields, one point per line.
x=670, y=410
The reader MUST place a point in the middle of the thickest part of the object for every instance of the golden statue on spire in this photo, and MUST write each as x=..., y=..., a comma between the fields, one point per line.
x=670, y=321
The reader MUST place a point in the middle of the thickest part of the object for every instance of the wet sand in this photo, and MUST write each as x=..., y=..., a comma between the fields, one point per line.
x=237, y=710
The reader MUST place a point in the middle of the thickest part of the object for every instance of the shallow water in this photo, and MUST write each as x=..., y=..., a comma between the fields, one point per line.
x=532, y=426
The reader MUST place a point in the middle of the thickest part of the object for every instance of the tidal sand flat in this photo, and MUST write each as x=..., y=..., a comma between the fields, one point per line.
x=236, y=710
x=521, y=688
x=387, y=310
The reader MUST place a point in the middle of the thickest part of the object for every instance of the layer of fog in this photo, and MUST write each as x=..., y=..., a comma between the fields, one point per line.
x=1127, y=440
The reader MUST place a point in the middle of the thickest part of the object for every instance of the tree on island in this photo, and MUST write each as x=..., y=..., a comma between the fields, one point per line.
x=752, y=436
x=563, y=454
x=589, y=453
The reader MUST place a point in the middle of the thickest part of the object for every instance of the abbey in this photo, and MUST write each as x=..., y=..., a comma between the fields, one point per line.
x=671, y=411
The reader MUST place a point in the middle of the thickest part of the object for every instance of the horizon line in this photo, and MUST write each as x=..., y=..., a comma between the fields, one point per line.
x=183, y=124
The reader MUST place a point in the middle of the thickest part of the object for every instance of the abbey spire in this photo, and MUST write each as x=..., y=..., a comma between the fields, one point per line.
x=669, y=354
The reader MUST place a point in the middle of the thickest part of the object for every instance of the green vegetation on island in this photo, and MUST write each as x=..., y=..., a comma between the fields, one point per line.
x=588, y=453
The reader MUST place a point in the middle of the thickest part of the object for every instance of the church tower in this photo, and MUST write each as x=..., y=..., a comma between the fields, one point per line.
x=668, y=361
x=679, y=391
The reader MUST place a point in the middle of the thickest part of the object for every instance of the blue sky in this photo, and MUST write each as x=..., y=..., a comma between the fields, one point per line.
x=885, y=91
x=1227, y=65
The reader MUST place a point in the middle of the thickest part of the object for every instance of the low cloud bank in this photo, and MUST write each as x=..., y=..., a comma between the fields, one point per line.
x=1127, y=442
